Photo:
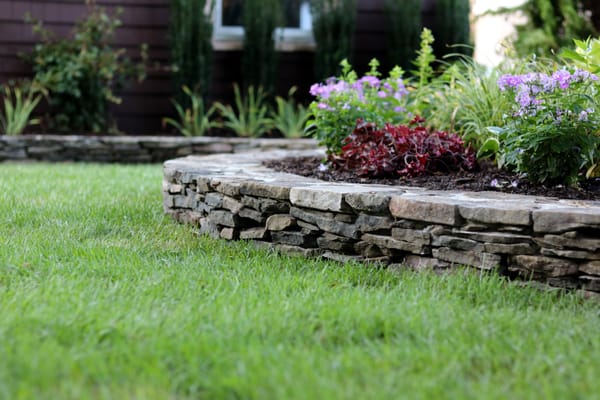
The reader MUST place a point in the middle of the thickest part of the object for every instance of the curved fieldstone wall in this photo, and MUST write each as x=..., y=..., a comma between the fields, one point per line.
x=234, y=197
x=132, y=149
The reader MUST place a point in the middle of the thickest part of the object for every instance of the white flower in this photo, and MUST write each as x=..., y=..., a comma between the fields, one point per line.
x=323, y=167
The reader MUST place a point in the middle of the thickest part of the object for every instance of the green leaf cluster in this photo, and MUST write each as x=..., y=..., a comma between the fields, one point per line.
x=19, y=100
x=195, y=119
x=82, y=72
x=249, y=117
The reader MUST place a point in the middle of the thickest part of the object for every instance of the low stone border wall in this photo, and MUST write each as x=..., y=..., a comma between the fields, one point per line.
x=132, y=149
x=234, y=197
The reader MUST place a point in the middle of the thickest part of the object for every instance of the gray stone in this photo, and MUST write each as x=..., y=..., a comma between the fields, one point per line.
x=347, y=218
x=548, y=266
x=423, y=208
x=254, y=234
x=225, y=218
x=561, y=241
x=368, y=250
x=213, y=199
x=174, y=188
x=457, y=243
x=263, y=189
x=227, y=186
x=307, y=226
x=564, y=282
x=561, y=219
x=419, y=263
x=337, y=243
x=325, y=222
x=391, y=243
x=297, y=251
x=468, y=258
x=320, y=197
x=370, y=202
x=300, y=239
x=492, y=237
x=580, y=255
x=590, y=268
x=253, y=215
x=229, y=234
x=372, y=223
x=515, y=248
x=208, y=227
x=268, y=206
x=231, y=204
x=500, y=213
x=280, y=222
x=418, y=236
x=591, y=283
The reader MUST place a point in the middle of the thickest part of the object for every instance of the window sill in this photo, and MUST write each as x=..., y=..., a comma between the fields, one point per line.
x=288, y=45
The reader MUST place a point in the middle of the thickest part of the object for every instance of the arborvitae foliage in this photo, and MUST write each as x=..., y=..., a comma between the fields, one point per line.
x=552, y=24
x=191, y=49
x=404, y=27
x=452, y=27
x=333, y=27
x=259, y=60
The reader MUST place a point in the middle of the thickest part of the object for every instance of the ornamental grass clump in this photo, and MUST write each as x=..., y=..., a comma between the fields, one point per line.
x=342, y=101
x=552, y=132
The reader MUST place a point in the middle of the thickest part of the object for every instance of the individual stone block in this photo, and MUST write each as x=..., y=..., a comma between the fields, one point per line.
x=391, y=243
x=336, y=243
x=516, y=248
x=276, y=190
x=370, y=202
x=300, y=239
x=561, y=219
x=225, y=218
x=568, y=241
x=548, y=266
x=254, y=234
x=591, y=283
x=368, y=250
x=307, y=226
x=470, y=258
x=371, y=223
x=424, y=208
x=590, y=268
x=207, y=227
x=421, y=237
x=505, y=213
x=231, y=204
x=229, y=187
x=267, y=206
x=326, y=222
x=577, y=254
x=253, y=215
x=492, y=237
x=229, y=234
x=324, y=197
x=457, y=243
x=214, y=199
x=280, y=222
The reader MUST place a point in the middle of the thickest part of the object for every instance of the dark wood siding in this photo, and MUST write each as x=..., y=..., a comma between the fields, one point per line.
x=146, y=21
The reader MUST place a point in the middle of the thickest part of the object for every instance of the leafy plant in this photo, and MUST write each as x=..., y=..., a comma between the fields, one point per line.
x=333, y=28
x=190, y=35
x=586, y=54
x=194, y=120
x=259, y=58
x=340, y=102
x=288, y=116
x=402, y=150
x=19, y=101
x=250, y=118
x=404, y=18
x=81, y=72
x=552, y=132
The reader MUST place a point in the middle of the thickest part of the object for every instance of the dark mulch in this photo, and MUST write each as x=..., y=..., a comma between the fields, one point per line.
x=487, y=178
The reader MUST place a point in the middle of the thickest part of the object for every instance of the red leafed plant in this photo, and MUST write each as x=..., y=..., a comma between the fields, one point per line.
x=402, y=150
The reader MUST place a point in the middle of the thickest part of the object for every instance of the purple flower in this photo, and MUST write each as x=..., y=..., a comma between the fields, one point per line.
x=382, y=94
x=509, y=81
x=562, y=78
x=323, y=106
x=369, y=80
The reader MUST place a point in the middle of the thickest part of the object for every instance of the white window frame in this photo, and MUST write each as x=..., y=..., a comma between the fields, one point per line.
x=286, y=39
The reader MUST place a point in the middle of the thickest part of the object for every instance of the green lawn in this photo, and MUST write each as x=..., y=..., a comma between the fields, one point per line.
x=103, y=297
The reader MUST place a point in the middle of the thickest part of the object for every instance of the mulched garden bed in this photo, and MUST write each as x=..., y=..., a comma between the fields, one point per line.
x=487, y=178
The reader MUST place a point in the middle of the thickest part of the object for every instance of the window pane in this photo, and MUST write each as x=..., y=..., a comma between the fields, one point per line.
x=232, y=12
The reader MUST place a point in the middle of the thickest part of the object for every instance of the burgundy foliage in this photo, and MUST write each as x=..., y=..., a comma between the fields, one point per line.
x=402, y=150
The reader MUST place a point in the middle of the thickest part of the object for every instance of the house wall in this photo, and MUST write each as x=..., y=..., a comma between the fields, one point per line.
x=146, y=21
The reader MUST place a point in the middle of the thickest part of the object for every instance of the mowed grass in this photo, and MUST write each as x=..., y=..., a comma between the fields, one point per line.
x=103, y=297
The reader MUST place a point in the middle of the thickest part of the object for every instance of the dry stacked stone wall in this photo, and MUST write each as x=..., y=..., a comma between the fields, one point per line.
x=131, y=149
x=533, y=238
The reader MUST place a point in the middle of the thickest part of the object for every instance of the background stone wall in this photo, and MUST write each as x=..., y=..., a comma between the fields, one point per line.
x=132, y=149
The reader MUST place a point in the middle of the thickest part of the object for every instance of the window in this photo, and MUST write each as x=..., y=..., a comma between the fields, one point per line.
x=295, y=35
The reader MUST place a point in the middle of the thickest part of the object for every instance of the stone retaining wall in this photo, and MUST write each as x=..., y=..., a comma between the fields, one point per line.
x=234, y=197
x=132, y=149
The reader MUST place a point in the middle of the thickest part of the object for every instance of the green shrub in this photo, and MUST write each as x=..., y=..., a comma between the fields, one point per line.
x=190, y=34
x=194, y=120
x=333, y=28
x=81, y=72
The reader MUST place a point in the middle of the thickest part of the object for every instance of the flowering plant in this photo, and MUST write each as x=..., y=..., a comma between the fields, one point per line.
x=341, y=101
x=553, y=129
